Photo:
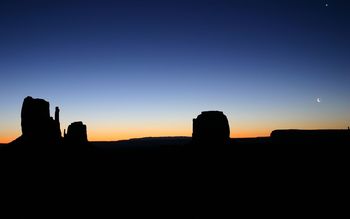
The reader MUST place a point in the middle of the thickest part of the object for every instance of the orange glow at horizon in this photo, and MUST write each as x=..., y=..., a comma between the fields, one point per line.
x=125, y=135
x=7, y=137
x=130, y=135
x=238, y=129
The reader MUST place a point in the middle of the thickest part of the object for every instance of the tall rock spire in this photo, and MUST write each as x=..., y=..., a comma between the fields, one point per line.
x=57, y=121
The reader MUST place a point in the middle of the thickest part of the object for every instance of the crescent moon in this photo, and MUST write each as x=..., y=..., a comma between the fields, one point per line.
x=318, y=100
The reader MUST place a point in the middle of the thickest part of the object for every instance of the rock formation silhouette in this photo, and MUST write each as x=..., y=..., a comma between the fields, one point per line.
x=211, y=128
x=38, y=127
x=76, y=133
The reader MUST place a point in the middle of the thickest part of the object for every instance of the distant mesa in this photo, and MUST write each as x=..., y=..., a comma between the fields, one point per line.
x=76, y=133
x=211, y=127
x=322, y=136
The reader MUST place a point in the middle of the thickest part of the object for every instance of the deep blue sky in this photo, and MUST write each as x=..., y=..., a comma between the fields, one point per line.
x=141, y=68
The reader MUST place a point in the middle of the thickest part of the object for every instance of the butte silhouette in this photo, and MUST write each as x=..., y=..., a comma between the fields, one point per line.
x=40, y=129
x=211, y=128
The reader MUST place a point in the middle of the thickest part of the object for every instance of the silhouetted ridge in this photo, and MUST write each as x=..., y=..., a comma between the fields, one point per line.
x=38, y=127
x=311, y=136
x=211, y=127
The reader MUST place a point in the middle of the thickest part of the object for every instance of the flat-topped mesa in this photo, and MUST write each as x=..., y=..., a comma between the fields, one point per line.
x=211, y=128
x=37, y=125
x=321, y=136
x=76, y=133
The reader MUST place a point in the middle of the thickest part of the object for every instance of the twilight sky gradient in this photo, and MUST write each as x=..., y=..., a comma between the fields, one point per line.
x=138, y=68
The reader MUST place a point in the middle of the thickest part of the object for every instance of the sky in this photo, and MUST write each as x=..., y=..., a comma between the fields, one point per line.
x=138, y=68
